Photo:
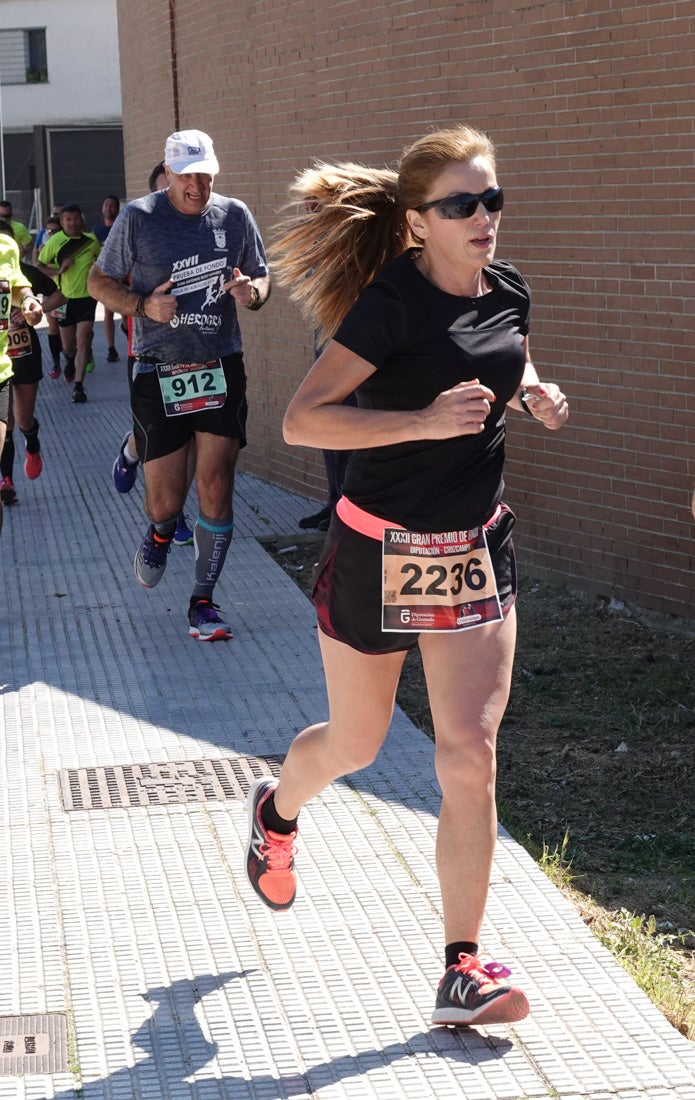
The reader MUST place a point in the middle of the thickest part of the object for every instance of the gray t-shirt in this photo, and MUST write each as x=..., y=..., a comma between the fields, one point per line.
x=151, y=242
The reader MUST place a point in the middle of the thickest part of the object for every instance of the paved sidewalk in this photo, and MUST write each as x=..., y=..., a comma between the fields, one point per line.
x=136, y=961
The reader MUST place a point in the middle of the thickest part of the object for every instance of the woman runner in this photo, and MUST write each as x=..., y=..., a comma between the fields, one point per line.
x=432, y=333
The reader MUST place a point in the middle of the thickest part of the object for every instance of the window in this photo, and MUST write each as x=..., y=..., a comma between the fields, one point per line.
x=23, y=56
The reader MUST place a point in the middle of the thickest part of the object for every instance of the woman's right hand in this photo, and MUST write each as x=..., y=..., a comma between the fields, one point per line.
x=462, y=410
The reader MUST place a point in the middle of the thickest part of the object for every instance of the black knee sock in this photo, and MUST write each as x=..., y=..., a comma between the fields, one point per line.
x=272, y=820
x=7, y=456
x=55, y=347
x=32, y=438
x=453, y=950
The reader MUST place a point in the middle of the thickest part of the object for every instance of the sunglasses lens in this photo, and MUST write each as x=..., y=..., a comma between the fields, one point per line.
x=458, y=206
x=465, y=206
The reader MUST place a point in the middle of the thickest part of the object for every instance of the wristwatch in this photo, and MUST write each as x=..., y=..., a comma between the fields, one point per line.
x=255, y=302
x=524, y=397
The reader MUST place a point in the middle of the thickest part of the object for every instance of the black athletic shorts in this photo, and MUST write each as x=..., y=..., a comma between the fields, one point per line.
x=348, y=583
x=78, y=309
x=157, y=435
x=26, y=369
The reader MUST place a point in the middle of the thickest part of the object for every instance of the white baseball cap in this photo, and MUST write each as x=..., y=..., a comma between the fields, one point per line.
x=191, y=151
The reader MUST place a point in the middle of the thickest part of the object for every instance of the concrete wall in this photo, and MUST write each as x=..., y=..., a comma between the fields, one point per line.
x=590, y=103
x=83, y=72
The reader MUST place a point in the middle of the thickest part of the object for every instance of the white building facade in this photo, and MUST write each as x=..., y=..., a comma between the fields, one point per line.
x=60, y=109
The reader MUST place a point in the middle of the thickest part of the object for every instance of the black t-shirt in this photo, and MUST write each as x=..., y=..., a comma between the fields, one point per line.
x=422, y=341
x=101, y=232
x=40, y=284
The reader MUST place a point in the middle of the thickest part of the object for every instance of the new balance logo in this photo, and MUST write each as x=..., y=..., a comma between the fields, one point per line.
x=459, y=989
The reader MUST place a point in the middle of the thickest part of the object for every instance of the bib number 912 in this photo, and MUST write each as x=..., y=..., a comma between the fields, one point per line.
x=189, y=384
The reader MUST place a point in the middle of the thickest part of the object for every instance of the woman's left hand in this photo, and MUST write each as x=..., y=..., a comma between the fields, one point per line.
x=548, y=404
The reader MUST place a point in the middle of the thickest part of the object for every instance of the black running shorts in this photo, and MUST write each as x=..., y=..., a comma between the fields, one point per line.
x=26, y=369
x=157, y=435
x=78, y=309
x=348, y=582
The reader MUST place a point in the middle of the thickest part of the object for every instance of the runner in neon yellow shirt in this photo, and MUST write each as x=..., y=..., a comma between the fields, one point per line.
x=14, y=291
x=21, y=233
x=67, y=257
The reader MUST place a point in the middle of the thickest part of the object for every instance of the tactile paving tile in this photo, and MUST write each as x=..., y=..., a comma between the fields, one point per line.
x=138, y=925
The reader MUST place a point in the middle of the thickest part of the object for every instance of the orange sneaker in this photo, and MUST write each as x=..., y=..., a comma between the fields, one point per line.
x=269, y=855
x=473, y=992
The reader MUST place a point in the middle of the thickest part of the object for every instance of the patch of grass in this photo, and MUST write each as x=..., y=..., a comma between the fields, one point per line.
x=653, y=961
x=556, y=865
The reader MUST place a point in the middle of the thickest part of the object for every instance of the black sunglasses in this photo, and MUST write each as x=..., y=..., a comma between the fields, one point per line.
x=465, y=204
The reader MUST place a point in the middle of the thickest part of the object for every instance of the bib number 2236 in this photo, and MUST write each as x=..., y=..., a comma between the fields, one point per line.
x=438, y=582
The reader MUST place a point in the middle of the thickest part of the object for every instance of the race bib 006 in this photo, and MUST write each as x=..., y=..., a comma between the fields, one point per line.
x=18, y=342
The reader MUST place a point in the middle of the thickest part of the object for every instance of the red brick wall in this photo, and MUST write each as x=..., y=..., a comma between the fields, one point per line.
x=590, y=103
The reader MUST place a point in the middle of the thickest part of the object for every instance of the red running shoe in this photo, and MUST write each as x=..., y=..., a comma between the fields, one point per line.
x=33, y=465
x=269, y=856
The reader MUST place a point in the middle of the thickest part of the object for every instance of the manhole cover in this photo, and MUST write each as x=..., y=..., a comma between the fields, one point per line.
x=121, y=786
x=33, y=1044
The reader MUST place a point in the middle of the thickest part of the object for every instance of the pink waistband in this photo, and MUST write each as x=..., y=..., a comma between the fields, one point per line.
x=372, y=526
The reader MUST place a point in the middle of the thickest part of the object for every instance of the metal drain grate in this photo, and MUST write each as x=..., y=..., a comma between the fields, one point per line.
x=33, y=1044
x=170, y=783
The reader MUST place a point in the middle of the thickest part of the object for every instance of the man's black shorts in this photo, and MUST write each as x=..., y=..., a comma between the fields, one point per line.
x=157, y=435
x=78, y=309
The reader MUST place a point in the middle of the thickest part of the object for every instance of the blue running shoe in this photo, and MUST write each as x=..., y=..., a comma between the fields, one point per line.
x=124, y=473
x=151, y=559
x=183, y=536
x=205, y=624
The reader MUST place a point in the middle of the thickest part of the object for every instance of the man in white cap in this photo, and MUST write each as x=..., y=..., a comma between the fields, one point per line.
x=192, y=259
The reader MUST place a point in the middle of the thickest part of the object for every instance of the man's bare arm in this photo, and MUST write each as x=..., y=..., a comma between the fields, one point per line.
x=160, y=305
